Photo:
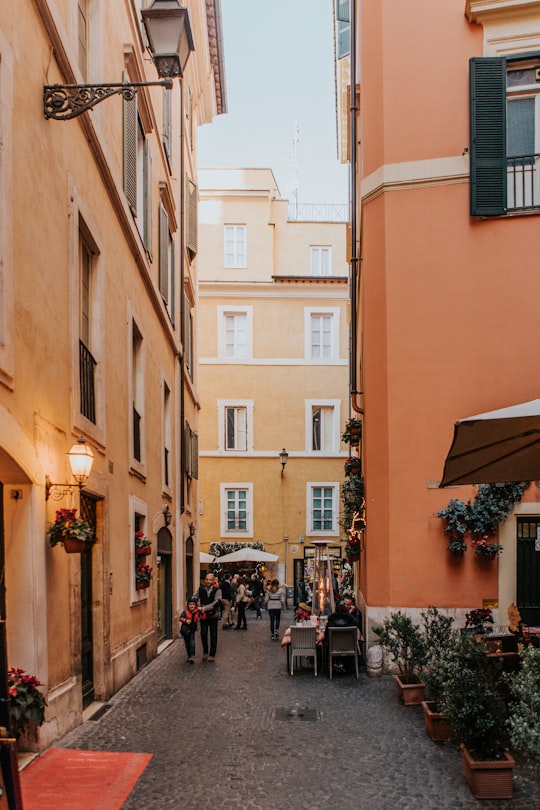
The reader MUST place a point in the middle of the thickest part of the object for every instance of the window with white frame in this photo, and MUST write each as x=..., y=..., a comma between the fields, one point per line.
x=137, y=394
x=87, y=360
x=321, y=260
x=322, y=426
x=235, y=425
x=235, y=333
x=166, y=262
x=322, y=508
x=236, y=510
x=322, y=334
x=235, y=237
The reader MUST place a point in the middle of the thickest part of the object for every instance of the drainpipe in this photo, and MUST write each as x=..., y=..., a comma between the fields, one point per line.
x=354, y=259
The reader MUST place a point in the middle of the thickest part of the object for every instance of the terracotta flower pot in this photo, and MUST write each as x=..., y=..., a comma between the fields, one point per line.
x=73, y=545
x=489, y=780
x=437, y=724
x=410, y=693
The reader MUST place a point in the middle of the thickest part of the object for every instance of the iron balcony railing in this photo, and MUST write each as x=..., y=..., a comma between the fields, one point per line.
x=87, y=365
x=318, y=212
x=522, y=179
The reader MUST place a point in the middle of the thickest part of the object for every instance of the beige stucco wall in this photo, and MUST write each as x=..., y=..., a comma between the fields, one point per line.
x=278, y=291
x=53, y=176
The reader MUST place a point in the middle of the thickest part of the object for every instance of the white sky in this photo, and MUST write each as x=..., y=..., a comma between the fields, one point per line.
x=279, y=73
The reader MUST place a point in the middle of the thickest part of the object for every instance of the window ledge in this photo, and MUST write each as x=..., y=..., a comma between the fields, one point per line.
x=476, y=11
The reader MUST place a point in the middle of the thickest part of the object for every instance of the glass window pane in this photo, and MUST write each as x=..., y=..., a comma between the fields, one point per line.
x=520, y=127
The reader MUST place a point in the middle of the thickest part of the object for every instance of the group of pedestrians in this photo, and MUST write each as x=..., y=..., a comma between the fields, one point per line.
x=225, y=600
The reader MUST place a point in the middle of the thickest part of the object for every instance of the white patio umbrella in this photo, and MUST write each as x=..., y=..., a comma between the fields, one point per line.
x=495, y=447
x=247, y=554
x=206, y=558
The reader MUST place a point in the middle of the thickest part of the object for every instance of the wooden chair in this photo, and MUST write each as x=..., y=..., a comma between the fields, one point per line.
x=304, y=644
x=343, y=641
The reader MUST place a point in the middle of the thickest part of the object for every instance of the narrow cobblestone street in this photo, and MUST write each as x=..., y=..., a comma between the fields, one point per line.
x=217, y=740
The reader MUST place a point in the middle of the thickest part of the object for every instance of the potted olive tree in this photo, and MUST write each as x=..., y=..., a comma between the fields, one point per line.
x=440, y=638
x=473, y=701
x=404, y=642
x=524, y=720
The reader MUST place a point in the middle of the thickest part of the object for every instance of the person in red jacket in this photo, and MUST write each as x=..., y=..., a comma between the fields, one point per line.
x=189, y=620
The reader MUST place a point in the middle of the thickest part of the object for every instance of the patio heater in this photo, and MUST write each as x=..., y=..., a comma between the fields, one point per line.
x=323, y=587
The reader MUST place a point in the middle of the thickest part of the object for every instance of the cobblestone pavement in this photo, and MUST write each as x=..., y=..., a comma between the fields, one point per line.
x=218, y=741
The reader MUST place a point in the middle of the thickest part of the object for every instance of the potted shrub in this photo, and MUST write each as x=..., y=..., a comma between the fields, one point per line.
x=74, y=533
x=474, y=704
x=524, y=720
x=353, y=432
x=26, y=707
x=404, y=641
x=440, y=638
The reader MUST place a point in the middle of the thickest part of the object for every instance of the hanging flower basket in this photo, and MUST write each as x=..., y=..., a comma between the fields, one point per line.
x=74, y=533
x=353, y=432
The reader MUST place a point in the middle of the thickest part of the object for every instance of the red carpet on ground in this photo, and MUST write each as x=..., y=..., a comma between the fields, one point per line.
x=66, y=779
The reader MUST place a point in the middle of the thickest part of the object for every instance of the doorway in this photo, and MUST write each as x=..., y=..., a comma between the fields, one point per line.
x=528, y=569
x=164, y=565
x=88, y=512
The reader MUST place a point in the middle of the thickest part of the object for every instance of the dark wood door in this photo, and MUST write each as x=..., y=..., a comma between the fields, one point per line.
x=528, y=569
x=88, y=512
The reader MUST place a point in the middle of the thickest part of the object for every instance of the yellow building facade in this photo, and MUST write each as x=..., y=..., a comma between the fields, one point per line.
x=273, y=349
x=98, y=246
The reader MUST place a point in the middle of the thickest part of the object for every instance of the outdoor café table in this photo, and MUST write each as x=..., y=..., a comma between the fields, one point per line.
x=286, y=640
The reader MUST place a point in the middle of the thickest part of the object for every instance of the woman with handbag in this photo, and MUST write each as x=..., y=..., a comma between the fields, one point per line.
x=189, y=619
x=241, y=603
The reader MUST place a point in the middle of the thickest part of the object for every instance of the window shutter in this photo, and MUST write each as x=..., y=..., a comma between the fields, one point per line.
x=191, y=216
x=167, y=123
x=195, y=462
x=130, y=152
x=488, y=136
x=148, y=198
x=172, y=288
x=163, y=254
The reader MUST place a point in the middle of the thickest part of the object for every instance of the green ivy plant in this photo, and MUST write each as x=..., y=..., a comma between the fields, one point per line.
x=352, y=498
x=220, y=549
x=481, y=518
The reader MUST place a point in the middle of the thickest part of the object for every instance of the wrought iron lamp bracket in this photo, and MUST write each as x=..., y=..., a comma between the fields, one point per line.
x=58, y=491
x=65, y=101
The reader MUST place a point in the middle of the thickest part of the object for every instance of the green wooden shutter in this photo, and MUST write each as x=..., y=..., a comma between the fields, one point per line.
x=488, y=136
x=172, y=290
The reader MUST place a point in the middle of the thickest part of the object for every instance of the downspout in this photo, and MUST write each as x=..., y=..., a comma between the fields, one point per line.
x=182, y=308
x=354, y=259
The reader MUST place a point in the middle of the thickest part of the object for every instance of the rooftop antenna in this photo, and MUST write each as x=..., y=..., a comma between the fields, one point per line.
x=294, y=192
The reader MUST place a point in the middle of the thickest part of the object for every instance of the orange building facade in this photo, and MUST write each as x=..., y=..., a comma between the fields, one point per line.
x=444, y=280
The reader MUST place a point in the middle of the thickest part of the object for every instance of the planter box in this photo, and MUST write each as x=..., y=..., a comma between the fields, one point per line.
x=410, y=694
x=143, y=550
x=489, y=780
x=140, y=586
x=437, y=725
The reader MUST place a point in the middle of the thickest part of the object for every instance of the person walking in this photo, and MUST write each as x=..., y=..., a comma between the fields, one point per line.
x=209, y=604
x=274, y=602
x=241, y=603
x=189, y=619
x=256, y=587
x=226, y=599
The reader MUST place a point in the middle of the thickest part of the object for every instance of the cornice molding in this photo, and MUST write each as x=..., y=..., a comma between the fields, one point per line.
x=477, y=11
x=415, y=174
